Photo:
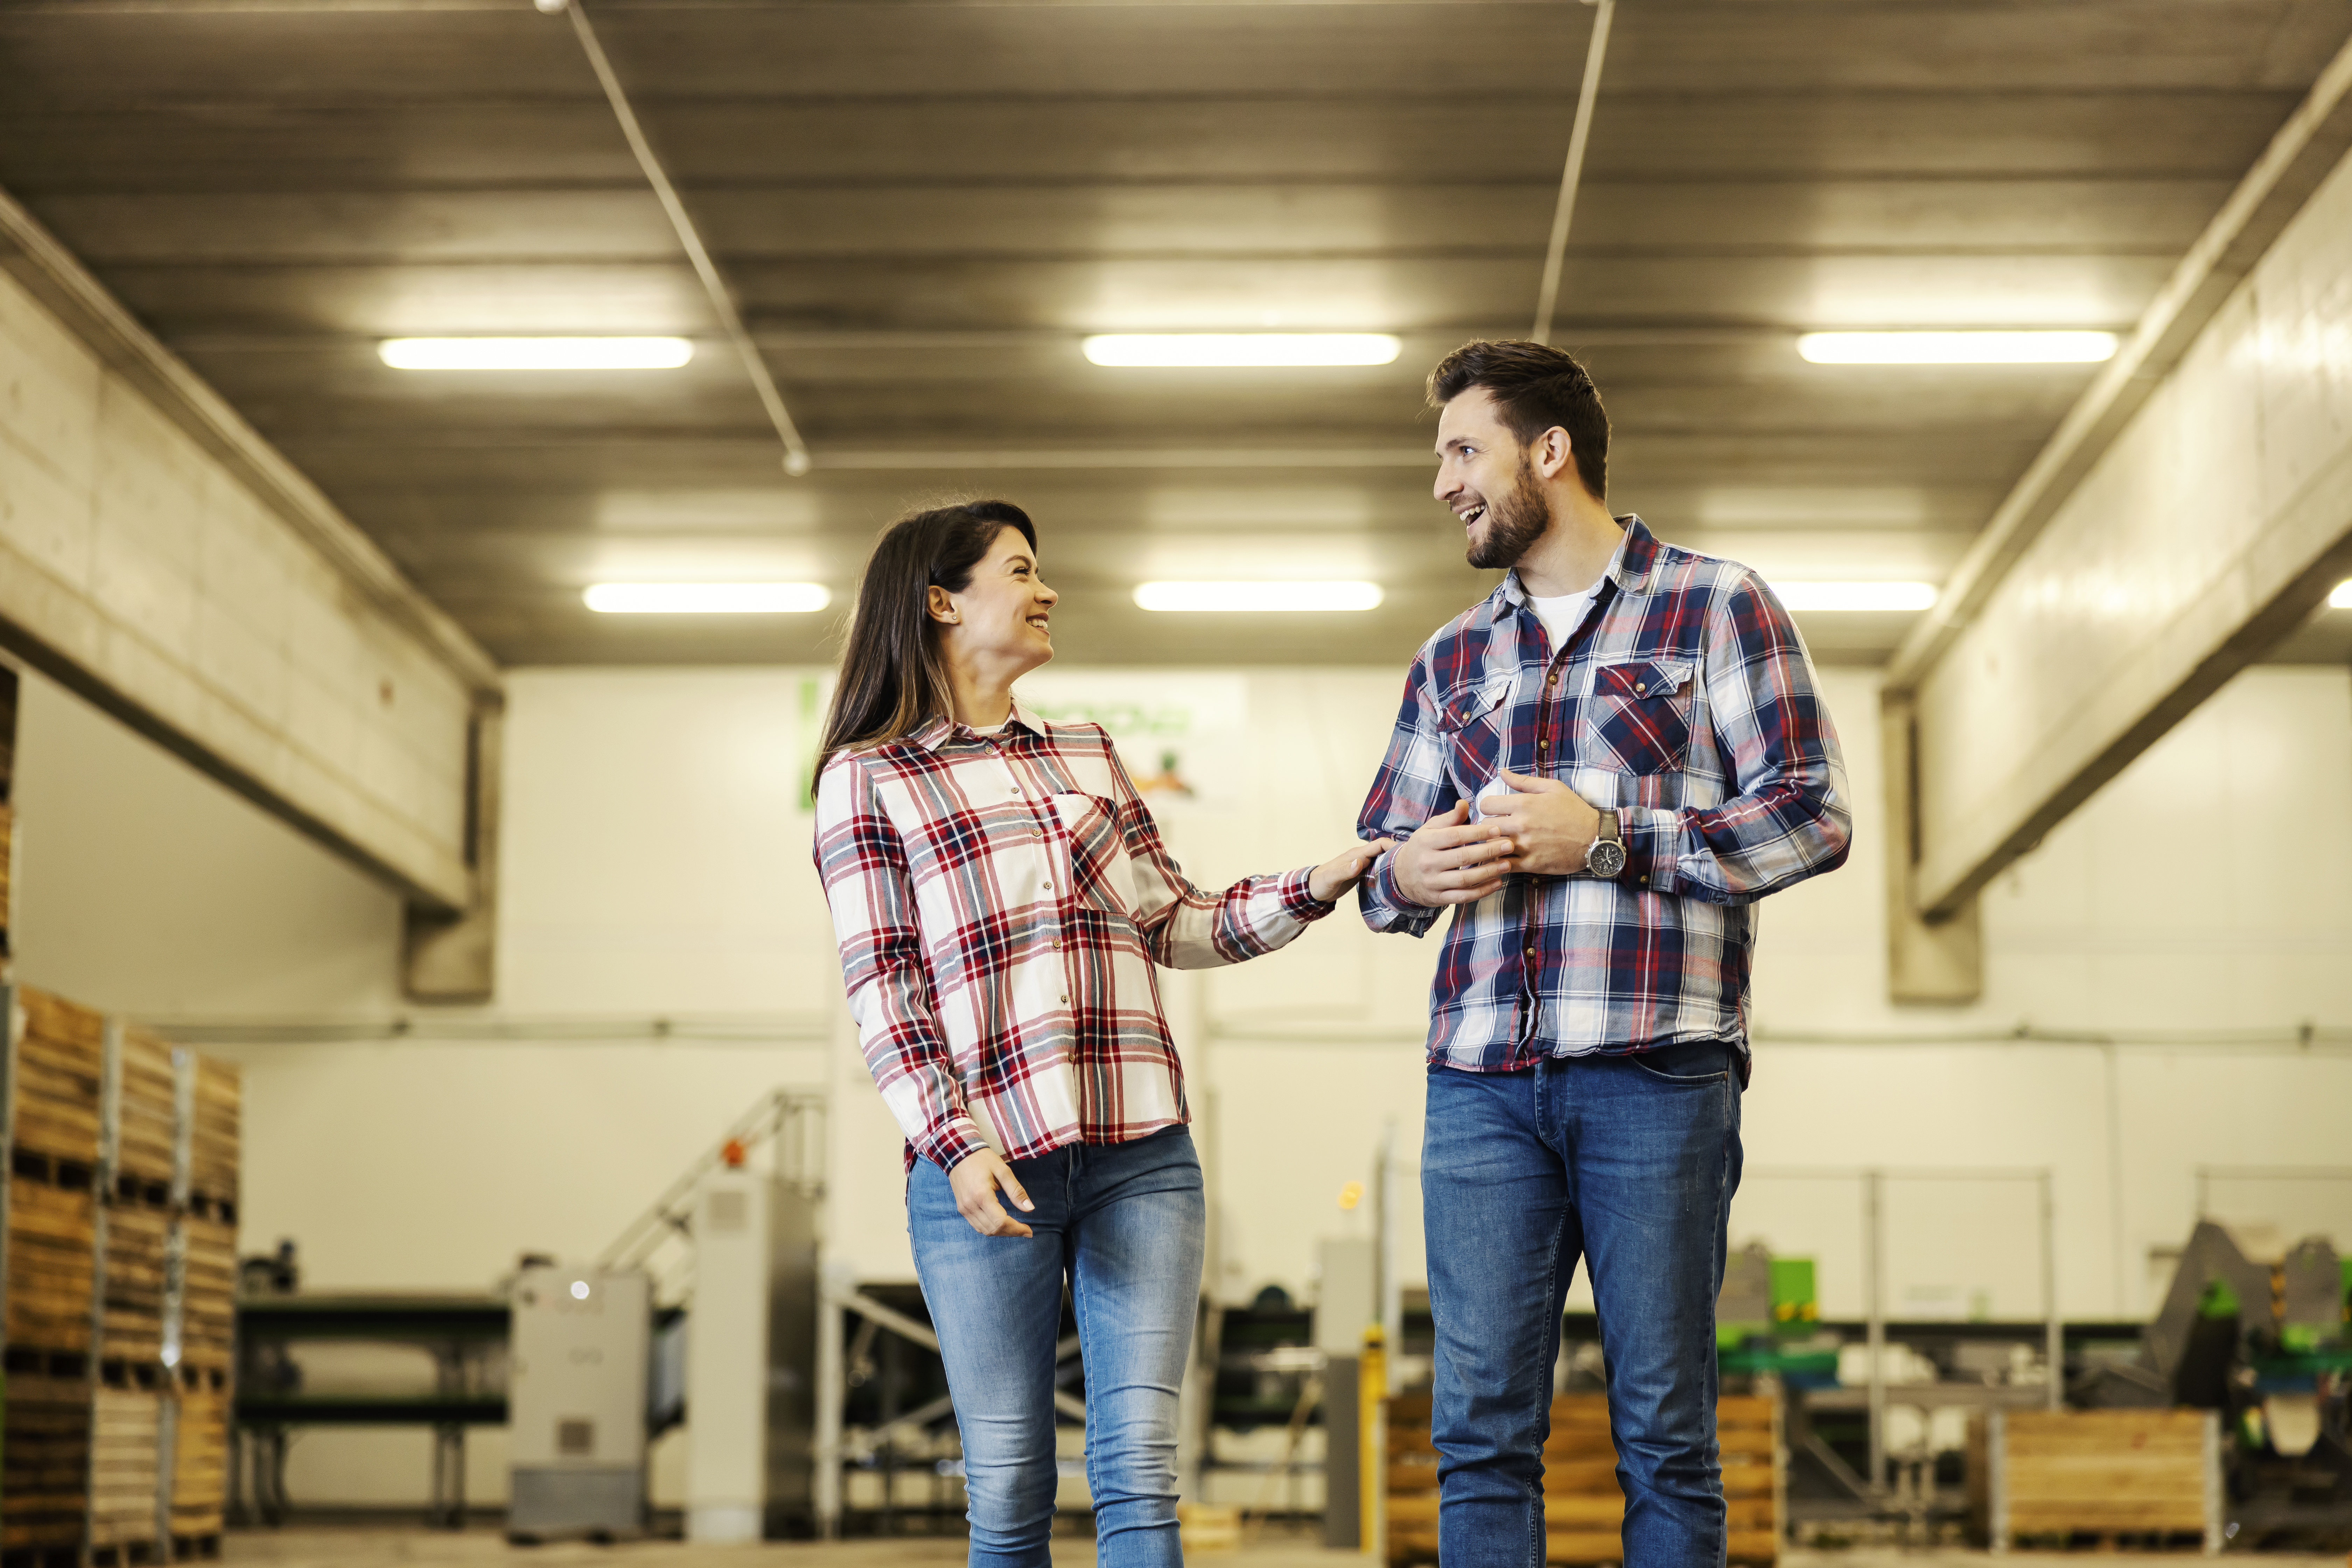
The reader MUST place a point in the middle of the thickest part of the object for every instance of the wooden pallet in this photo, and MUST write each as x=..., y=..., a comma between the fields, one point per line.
x=2152, y=1474
x=1584, y=1507
x=44, y=1459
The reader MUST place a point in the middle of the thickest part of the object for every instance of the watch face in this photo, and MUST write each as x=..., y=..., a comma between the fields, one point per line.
x=1605, y=858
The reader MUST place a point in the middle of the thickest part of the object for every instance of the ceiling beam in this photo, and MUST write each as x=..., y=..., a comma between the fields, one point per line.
x=2193, y=508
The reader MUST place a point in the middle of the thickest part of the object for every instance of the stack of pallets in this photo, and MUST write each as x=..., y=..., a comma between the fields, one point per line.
x=1584, y=1509
x=54, y=1074
x=118, y=1317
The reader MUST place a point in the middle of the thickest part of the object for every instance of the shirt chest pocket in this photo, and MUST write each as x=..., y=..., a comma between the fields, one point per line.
x=1639, y=717
x=1094, y=864
x=1471, y=719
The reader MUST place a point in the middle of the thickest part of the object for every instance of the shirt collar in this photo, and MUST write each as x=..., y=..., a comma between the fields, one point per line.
x=938, y=729
x=1629, y=568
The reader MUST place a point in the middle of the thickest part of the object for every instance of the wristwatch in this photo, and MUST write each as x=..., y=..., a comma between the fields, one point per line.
x=1605, y=857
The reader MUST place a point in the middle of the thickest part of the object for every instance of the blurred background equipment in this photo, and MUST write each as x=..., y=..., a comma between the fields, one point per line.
x=576, y=1402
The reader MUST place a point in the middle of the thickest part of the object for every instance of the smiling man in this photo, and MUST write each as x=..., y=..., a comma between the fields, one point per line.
x=1602, y=766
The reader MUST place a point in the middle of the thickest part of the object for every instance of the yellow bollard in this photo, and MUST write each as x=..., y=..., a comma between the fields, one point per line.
x=1371, y=1438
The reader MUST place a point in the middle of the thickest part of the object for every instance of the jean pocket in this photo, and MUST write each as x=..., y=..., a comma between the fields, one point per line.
x=1694, y=1062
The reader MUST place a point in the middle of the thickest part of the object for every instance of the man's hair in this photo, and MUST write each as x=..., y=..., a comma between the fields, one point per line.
x=1533, y=387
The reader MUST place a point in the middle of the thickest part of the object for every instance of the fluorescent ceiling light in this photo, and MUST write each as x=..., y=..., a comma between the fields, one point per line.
x=2342, y=598
x=1258, y=597
x=1242, y=348
x=707, y=598
x=1957, y=348
x=535, y=353
x=1884, y=597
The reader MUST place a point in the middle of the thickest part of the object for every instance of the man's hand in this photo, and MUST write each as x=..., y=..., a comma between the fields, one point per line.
x=1345, y=870
x=1450, y=859
x=975, y=1180
x=1550, y=825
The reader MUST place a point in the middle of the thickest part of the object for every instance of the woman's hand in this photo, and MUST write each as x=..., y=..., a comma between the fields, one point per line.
x=975, y=1180
x=1344, y=870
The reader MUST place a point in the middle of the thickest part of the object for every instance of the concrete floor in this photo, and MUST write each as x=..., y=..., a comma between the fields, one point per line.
x=395, y=1548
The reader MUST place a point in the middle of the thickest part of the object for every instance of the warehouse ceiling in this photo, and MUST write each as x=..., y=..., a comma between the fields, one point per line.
x=922, y=208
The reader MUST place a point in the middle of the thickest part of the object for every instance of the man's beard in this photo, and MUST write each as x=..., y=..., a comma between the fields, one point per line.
x=1513, y=522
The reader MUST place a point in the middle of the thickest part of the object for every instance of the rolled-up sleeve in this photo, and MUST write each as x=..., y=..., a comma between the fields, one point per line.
x=862, y=863
x=1791, y=817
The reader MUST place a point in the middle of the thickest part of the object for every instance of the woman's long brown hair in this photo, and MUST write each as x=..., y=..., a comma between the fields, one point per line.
x=892, y=677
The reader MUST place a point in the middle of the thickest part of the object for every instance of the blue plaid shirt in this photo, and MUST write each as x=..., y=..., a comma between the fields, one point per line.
x=1685, y=700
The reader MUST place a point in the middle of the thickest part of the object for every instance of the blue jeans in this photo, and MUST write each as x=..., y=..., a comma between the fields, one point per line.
x=1630, y=1161
x=1124, y=1223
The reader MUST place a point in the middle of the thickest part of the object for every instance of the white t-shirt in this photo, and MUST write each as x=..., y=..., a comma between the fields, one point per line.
x=1560, y=613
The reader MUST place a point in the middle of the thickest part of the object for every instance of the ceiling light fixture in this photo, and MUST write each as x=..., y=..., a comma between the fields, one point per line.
x=2342, y=598
x=535, y=353
x=707, y=598
x=1252, y=349
x=1957, y=348
x=1881, y=597
x=1258, y=597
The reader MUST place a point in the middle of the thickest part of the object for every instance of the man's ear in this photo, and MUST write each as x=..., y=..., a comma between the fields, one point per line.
x=941, y=604
x=1551, y=453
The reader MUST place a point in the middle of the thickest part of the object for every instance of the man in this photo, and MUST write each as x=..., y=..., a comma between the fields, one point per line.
x=1602, y=767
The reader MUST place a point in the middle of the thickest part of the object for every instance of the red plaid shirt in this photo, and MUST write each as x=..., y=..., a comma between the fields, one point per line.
x=1000, y=901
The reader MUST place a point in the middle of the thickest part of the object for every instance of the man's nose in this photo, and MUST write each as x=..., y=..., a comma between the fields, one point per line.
x=1446, y=485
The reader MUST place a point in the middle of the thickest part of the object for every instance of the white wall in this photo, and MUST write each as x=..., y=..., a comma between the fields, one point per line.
x=655, y=863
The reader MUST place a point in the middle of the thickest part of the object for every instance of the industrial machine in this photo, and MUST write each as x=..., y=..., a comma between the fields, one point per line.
x=749, y=1356
x=576, y=1399
x=2269, y=1346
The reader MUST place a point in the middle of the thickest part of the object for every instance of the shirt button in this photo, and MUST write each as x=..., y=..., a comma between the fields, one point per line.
x=1049, y=887
x=1641, y=690
x=1531, y=953
x=1057, y=942
x=1552, y=679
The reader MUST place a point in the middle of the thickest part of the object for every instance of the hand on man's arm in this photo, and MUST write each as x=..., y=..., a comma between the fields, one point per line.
x=1450, y=859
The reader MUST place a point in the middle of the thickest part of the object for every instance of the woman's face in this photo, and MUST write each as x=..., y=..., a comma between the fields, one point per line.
x=1000, y=619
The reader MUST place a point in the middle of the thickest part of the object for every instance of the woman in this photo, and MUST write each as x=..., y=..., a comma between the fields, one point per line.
x=1000, y=895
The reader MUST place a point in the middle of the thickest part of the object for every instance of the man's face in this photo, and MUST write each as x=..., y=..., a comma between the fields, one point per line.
x=1483, y=475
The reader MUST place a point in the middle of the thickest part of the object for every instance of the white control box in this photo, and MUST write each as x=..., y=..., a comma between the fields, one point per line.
x=576, y=1402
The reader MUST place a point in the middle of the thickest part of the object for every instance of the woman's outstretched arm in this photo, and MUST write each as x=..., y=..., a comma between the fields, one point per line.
x=1186, y=928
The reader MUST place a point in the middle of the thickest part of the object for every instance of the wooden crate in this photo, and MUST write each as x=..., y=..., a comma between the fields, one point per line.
x=2042, y=1473
x=212, y=1140
x=208, y=1291
x=124, y=1460
x=1584, y=1507
x=60, y=1059
x=44, y=1460
x=134, y=1330
x=52, y=1239
x=148, y=1117
x=200, y=1456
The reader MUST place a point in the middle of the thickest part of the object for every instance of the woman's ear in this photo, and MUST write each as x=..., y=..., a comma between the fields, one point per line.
x=941, y=606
